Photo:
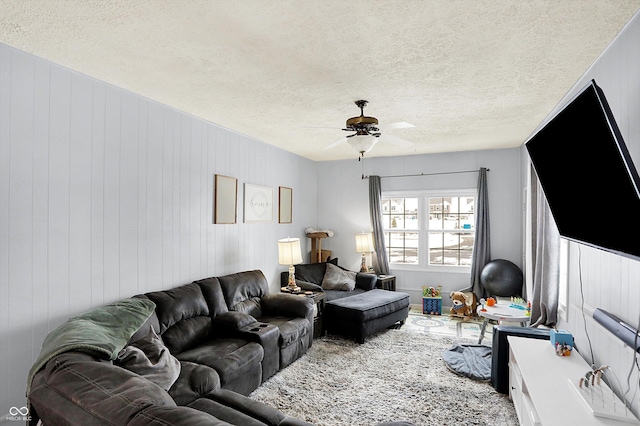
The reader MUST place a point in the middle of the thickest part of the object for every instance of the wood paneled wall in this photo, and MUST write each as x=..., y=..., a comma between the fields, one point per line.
x=105, y=194
x=599, y=279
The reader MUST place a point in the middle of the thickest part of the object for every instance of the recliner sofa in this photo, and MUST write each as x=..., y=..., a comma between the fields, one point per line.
x=227, y=333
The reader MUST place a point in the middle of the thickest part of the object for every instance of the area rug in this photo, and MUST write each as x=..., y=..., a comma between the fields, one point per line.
x=467, y=328
x=395, y=375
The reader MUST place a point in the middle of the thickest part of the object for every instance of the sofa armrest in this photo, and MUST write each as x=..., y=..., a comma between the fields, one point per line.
x=287, y=304
x=75, y=388
x=366, y=281
x=232, y=321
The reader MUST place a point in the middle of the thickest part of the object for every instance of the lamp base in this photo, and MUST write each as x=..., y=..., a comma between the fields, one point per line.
x=363, y=265
x=291, y=285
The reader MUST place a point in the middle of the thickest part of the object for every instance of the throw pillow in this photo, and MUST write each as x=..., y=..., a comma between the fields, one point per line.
x=150, y=358
x=336, y=278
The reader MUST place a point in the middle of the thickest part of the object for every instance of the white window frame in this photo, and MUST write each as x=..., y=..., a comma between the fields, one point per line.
x=423, y=228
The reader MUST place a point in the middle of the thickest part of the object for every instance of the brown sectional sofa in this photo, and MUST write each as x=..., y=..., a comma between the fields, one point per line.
x=228, y=334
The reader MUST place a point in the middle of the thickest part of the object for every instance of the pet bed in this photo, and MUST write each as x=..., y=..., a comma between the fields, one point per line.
x=473, y=361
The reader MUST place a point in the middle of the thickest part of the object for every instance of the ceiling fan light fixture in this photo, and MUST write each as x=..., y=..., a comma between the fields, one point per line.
x=362, y=143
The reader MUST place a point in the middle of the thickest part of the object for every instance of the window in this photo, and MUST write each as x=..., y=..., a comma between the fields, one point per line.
x=451, y=230
x=400, y=217
x=429, y=229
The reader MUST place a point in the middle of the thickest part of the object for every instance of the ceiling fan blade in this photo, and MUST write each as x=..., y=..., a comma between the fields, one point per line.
x=336, y=143
x=396, y=141
x=396, y=125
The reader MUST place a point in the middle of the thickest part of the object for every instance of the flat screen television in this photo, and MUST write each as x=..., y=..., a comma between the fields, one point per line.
x=587, y=175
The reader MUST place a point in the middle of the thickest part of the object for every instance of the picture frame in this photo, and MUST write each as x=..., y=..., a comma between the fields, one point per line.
x=285, y=199
x=225, y=210
x=258, y=204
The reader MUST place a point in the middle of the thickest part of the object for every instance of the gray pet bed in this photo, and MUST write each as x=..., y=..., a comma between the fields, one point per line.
x=473, y=361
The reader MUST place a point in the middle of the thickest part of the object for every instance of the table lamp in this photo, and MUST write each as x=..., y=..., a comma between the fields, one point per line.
x=364, y=245
x=289, y=253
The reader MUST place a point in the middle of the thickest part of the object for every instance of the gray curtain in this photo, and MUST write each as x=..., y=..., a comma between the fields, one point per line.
x=482, y=242
x=545, y=253
x=380, y=262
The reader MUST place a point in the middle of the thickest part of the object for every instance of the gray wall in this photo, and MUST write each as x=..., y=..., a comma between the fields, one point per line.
x=344, y=199
x=608, y=281
x=105, y=194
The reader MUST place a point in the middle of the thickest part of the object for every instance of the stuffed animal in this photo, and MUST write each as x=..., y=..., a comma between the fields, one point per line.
x=460, y=304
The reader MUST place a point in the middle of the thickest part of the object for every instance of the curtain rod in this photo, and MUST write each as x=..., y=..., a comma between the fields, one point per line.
x=427, y=174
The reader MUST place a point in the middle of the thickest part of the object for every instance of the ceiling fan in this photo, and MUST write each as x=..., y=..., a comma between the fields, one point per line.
x=368, y=131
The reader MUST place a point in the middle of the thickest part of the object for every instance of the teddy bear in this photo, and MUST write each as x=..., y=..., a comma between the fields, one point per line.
x=460, y=304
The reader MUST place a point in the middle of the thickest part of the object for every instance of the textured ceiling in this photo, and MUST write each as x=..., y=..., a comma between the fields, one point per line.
x=468, y=74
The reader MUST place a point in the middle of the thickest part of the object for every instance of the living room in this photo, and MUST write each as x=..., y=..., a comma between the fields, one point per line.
x=87, y=224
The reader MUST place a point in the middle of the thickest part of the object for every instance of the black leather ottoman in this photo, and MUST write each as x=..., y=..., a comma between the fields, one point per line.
x=500, y=352
x=364, y=314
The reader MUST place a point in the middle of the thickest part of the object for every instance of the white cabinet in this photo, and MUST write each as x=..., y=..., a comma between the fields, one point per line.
x=542, y=386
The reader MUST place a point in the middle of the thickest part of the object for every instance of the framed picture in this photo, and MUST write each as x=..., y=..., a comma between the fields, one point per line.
x=258, y=203
x=285, y=199
x=225, y=200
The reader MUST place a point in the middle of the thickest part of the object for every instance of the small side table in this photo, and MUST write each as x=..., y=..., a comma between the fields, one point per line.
x=501, y=312
x=386, y=282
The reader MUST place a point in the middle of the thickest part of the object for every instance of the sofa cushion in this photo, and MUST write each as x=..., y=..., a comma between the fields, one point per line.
x=338, y=294
x=172, y=306
x=291, y=329
x=233, y=359
x=256, y=410
x=336, y=278
x=313, y=272
x=242, y=286
x=183, y=315
x=150, y=358
x=174, y=416
x=187, y=333
x=212, y=293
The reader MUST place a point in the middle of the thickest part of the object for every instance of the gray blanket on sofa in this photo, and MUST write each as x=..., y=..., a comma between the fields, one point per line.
x=103, y=331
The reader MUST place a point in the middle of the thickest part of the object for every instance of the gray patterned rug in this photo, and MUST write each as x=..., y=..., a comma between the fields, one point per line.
x=395, y=375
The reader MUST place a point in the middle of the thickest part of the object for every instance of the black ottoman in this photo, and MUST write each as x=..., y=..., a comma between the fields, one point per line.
x=364, y=314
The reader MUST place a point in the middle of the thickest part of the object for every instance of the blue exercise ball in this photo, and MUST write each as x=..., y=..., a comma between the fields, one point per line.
x=502, y=278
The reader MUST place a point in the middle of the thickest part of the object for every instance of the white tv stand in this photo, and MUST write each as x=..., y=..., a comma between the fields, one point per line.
x=544, y=388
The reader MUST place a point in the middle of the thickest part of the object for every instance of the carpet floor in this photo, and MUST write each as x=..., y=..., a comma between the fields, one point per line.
x=395, y=375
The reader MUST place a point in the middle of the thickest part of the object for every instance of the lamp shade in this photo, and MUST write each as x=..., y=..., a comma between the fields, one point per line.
x=364, y=243
x=289, y=252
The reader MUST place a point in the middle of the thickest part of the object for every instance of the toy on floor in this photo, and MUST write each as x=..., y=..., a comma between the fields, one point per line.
x=432, y=300
x=460, y=304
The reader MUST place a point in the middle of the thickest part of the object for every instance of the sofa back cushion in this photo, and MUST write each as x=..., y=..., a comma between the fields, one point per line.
x=243, y=291
x=310, y=272
x=212, y=293
x=183, y=315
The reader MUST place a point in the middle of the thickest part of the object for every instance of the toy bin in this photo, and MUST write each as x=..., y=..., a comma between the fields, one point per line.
x=432, y=305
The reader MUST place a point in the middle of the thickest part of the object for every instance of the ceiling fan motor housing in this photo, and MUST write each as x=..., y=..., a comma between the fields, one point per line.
x=362, y=124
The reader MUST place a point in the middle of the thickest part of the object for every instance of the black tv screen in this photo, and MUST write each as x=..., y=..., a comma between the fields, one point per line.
x=587, y=175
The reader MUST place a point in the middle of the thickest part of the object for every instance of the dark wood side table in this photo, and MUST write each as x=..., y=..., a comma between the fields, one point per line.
x=386, y=282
